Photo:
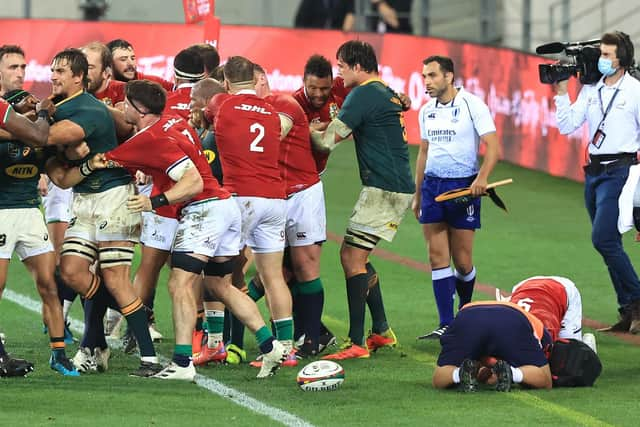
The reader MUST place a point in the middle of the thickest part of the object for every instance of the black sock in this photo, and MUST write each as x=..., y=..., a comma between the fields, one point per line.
x=199, y=320
x=237, y=331
x=94, y=311
x=465, y=283
x=356, y=297
x=375, y=303
x=226, y=327
x=3, y=352
x=64, y=291
x=137, y=321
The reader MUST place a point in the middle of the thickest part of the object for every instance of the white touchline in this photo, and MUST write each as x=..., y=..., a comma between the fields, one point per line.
x=216, y=387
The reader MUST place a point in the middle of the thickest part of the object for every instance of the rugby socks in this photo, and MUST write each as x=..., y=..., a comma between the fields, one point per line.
x=57, y=347
x=357, y=287
x=182, y=355
x=264, y=340
x=94, y=311
x=464, y=286
x=375, y=303
x=296, y=308
x=284, y=331
x=517, y=375
x=444, y=288
x=237, y=331
x=137, y=321
x=215, y=321
x=310, y=304
x=66, y=295
x=93, y=286
x=456, y=376
x=255, y=292
x=3, y=352
x=199, y=319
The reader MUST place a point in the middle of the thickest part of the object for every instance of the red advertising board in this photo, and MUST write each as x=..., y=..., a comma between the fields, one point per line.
x=197, y=10
x=506, y=80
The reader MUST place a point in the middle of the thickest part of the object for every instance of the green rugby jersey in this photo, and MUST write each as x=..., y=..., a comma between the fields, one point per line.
x=20, y=169
x=374, y=113
x=210, y=150
x=100, y=134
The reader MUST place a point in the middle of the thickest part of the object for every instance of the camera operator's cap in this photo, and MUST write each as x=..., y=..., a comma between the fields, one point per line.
x=16, y=96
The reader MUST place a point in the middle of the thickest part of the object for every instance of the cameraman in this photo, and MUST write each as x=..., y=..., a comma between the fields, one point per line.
x=611, y=107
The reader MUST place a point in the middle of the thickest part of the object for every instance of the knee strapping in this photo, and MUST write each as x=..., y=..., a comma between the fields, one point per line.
x=81, y=248
x=186, y=262
x=360, y=240
x=112, y=256
x=219, y=269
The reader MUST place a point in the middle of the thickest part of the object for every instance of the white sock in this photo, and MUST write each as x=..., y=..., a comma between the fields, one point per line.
x=214, y=340
x=151, y=359
x=517, y=375
x=456, y=376
x=66, y=306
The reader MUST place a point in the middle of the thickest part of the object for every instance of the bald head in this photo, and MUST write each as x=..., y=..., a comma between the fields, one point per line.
x=201, y=94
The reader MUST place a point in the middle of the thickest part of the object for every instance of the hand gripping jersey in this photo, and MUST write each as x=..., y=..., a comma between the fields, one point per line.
x=555, y=301
x=328, y=112
x=178, y=101
x=95, y=119
x=247, y=132
x=297, y=165
x=160, y=150
x=113, y=93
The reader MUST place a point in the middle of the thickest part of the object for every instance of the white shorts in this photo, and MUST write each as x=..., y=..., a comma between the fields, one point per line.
x=158, y=231
x=23, y=230
x=104, y=217
x=210, y=227
x=306, y=218
x=571, y=326
x=263, y=222
x=145, y=188
x=57, y=204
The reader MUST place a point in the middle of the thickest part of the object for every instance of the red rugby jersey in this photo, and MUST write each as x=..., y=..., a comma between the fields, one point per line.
x=158, y=149
x=297, y=164
x=5, y=108
x=328, y=112
x=167, y=85
x=546, y=299
x=247, y=130
x=178, y=101
x=113, y=93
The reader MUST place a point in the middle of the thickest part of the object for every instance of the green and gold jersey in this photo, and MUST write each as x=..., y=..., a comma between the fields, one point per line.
x=374, y=113
x=100, y=134
x=210, y=150
x=20, y=169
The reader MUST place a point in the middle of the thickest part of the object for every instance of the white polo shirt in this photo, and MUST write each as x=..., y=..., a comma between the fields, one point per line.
x=453, y=132
x=622, y=124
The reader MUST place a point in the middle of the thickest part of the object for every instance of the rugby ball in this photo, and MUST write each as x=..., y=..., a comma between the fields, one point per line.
x=321, y=375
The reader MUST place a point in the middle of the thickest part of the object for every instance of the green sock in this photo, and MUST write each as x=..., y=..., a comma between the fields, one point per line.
x=263, y=335
x=255, y=293
x=375, y=303
x=215, y=321
x=284, y=329
x=357, y=287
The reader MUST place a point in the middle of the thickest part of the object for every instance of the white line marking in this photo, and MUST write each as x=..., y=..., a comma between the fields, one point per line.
x=216, y=387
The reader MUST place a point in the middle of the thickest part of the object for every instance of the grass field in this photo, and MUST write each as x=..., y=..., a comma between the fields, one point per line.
x=545, y=232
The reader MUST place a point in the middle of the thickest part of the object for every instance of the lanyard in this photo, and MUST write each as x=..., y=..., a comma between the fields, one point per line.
x=605, y=112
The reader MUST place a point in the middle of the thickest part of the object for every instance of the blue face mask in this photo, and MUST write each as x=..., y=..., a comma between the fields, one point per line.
x=604, y=66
